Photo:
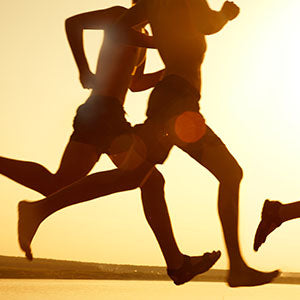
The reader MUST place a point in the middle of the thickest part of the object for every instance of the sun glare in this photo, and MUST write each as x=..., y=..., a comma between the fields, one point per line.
x=273, y=75
x=286, y=57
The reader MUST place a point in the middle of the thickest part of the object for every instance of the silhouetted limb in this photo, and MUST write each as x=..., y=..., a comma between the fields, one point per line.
x=218, y=160
x=35, y=176
x=29, y=221
x=246, y=276
x=31, y=214
x=155, y=207
x=193, y=266
x=157, y=215
x=270, y=220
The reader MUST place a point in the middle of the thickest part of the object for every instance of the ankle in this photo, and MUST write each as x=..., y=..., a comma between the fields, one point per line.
x=237, y=265
x=175, y=263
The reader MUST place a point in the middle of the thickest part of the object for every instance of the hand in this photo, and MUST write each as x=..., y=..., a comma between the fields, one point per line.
x=87, y=79
x=230, y=10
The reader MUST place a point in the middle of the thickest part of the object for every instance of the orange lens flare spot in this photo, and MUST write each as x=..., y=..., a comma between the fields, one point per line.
x=190, y=126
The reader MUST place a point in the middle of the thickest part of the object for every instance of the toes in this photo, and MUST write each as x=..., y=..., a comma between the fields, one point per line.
x=270, y=277
x=194, y=266
x=257, y=239
x=251, y=277
x=28, y=254
x=214, y=256
x=210, y=258
x=260, y=235
x=275, y=273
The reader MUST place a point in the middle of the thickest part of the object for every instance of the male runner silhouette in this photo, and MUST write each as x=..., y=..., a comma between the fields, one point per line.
x=179, y=28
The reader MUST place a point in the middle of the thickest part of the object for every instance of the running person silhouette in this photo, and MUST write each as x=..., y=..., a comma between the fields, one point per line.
x=100, y=127
x=179, y=28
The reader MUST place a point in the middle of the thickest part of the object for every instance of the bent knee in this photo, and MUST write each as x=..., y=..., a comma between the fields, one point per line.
x=238, y=174
x=234, y=175
x=154, y=178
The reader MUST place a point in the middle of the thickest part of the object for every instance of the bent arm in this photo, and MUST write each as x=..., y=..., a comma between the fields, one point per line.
x=141, y=81
x=208, y=21
x=91, y=20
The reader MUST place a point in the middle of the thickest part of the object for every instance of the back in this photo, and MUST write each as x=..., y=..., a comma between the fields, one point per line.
x=116, y=63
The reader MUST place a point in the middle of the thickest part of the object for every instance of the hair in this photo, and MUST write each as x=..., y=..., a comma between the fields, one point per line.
x=134, y=2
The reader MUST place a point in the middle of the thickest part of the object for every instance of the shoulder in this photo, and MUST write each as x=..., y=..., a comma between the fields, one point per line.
x=118, y=10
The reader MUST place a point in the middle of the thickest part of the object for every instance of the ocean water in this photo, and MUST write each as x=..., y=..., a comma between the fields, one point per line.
x=32, y=289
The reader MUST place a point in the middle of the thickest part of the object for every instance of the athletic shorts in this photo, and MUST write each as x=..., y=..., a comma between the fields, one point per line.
x=174, y=119
x=101, y=122
x=172, y=96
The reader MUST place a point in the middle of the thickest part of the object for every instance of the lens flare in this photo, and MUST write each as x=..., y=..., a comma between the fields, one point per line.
x=190, y=126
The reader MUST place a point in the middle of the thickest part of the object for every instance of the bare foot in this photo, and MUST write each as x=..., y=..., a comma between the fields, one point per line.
x=27, y=226
x=193, y=266
x=270, y=220
x=249, y=277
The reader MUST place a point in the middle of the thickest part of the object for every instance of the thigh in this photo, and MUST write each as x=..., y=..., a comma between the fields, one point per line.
x=77, y=161
x=212, y=154
x=128, y=152
x=133, y=162
x=150, y=179
x=154, y=137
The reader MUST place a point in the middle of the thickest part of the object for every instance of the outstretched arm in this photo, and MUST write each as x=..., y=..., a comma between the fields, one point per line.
x=141, y=81
x=74, y=28
x=209, y=21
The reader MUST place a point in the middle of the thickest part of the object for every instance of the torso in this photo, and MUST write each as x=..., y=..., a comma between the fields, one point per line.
x=180, y=45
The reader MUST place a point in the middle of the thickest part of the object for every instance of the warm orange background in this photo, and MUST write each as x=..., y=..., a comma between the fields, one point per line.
x=250, y=97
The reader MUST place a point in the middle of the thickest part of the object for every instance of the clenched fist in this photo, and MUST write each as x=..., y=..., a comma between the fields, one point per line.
x=230, y=10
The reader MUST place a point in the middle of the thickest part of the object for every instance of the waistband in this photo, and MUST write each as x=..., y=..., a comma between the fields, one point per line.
x=99, y=97
x=104, y=104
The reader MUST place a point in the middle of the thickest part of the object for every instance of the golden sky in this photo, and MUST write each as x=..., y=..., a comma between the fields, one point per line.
x=250, y=98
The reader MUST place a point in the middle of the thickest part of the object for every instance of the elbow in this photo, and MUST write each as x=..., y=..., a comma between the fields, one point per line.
x=210, y=31
x=134, y=88
x=69, y=24
x=137, y=87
